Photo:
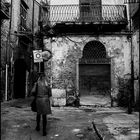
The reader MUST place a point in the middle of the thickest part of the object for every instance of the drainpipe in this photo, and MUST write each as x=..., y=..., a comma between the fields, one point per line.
x=41, y=37
x=31, y=48
x=131, y=93
x=77, y=84
x=32, y=34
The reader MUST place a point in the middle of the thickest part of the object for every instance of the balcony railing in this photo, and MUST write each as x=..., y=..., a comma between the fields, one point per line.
x=85, y=13
x=5, y=9
x=131, y=1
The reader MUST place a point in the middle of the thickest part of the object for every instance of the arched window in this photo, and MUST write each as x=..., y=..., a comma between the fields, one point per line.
x=94, y=50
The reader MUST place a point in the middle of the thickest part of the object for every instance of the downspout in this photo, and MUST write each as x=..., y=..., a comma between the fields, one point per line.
x=32, y=35
x=131, y=93
x=31, y=48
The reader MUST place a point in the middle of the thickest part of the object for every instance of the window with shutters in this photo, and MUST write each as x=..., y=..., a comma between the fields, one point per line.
x=23, y=16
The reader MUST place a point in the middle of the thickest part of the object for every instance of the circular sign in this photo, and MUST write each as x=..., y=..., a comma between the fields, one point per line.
x=38, y=55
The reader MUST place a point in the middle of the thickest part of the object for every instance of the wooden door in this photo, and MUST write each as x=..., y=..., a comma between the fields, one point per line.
x=94, y=79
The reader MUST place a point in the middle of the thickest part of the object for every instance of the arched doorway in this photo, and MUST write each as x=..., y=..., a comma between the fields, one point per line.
x=20, y=67
x=94, y=70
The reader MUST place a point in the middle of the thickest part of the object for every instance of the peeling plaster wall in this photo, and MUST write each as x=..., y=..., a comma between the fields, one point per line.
x=67, y=50
x=15, y=15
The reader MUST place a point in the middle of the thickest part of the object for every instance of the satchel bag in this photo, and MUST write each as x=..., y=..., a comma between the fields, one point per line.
x=33, y=105
x=34, y=90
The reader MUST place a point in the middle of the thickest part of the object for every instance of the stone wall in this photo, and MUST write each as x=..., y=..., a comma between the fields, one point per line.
x=67, y=50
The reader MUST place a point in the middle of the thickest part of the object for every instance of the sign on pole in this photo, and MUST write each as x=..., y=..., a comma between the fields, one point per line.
x=37, y=56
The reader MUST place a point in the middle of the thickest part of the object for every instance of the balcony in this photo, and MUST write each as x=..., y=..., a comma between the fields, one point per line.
x=85, y=18
x=5, y=10
x=86, y=13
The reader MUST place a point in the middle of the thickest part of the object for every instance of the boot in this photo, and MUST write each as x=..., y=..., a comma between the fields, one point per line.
x=38, y=122
x=44, y=125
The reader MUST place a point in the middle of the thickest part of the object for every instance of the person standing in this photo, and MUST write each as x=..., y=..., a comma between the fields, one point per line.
x=43, y=106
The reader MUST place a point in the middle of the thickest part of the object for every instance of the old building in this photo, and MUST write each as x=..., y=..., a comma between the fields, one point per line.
x=5, y=20
x=134, y=14
x=26, y=18
x=91, y=50
x=94, y=45
x=18, y=42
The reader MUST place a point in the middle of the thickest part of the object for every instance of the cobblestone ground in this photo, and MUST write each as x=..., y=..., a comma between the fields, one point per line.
x=65, y=123
x=68, y=123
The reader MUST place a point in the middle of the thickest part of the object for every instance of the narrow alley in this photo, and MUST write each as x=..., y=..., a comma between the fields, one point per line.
x=79, y=57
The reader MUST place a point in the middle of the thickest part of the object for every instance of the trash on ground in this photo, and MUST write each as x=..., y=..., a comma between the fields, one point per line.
x=76, y=130
x=80, y=135
x=16, y=126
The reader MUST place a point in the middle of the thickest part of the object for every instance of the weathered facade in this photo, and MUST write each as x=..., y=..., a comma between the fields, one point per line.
x=94, y=45
x=134, y=13
x=5, y=20
x=17, y=42
x=90, y=55
x=66, y=60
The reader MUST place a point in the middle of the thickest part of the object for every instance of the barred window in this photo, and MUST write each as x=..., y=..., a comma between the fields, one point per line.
x=85, y=7
x=94, y=50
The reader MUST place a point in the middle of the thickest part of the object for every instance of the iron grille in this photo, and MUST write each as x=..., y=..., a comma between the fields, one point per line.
x=131, y=1
x=94, y=49
x=86, y=13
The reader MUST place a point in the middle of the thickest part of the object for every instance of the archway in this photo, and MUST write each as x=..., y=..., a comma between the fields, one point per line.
x=20, y=78
x=94, y=70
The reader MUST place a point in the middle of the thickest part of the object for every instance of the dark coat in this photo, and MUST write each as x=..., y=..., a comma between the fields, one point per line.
x=42, y=99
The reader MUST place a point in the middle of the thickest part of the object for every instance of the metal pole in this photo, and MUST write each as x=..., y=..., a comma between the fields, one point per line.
x=39, y=68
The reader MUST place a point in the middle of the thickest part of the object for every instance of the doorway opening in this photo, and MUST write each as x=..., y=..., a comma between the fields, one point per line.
x=94, y=74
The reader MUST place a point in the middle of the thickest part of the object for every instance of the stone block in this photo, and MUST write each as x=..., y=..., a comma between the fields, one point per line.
x=59, y=97
x=58, y=93
x=59, y=101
